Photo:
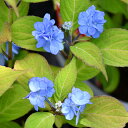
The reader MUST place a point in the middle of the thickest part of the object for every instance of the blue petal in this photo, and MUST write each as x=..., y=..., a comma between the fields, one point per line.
x=69, y=116
x=39, y=26
x=83, y=29
x=41, y=43
x=2, y=59
x=91, y=30
x=47, y=16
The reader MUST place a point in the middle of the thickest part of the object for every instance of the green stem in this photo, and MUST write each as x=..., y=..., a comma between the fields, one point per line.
x=10, y=62
x=10, y=56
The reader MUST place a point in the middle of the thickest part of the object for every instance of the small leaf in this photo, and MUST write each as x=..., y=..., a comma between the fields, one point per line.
x=105, y=112
x=34, y=1
x=70, y=10
x=59, y=121
x=90, y=55
x=65, y=80
x=113, y=79
x=40, y=120
x=36, y=65
x=12, y=104
x=5, y=34
x=7, y=77
x=3, y=14
x=23, y=10
x=85, y=72
x=114, y=46
x=22, y=32
x=13, y=3
x=10, y=124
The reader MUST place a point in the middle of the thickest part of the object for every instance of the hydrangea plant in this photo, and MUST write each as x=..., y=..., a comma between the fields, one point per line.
x=37, y=94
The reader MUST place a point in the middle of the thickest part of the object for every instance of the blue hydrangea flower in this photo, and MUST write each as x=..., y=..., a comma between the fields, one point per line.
x=67, y=25
x=75, y=104
x=2, y=59
x=91, y=22
x=49, y=36
x=41, y=90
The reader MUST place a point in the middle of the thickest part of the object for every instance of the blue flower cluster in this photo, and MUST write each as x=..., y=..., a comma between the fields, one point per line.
x=41, y=90
x=49, y=36
x=75, y=104
x=91, y=22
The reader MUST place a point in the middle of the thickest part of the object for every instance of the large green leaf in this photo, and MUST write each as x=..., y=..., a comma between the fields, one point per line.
x=10, y=124
x=12, y=104
x=85, y=72
x=40, y=120
x=70, y=10
x=7, y=77
x=65, y=80
x=22, y=32
x=114, y=46
x=36, y=66
x=34, y=1
x=113, y=6
x=105, y=112
x=90, y=55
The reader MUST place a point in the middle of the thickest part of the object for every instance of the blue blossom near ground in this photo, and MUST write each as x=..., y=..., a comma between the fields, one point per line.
x=75, y=104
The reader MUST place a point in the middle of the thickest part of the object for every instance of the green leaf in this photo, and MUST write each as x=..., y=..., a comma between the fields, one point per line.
x=114, y=46
x=59, y=121
x=12, y=104
x=70, y=10
x=3, y=14
x=90, y=55
x=113, y=6
x=23, y=10
x=7, y=77
x=10, y=124
x=22, y=32
x=40, y=120
x=65, y=80
x=105, y=112
x=55, y=70
x=36, y=66
x=34, y=1
x=85, y=72
x=113, y=79
x=13, y=4
x=84, y=87
x=126, y=1
x=5, y=34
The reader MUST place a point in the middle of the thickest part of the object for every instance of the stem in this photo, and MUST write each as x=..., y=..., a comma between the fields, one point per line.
x=10, y=56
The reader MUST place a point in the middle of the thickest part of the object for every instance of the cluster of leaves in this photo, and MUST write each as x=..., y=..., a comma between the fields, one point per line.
x=90, y=58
